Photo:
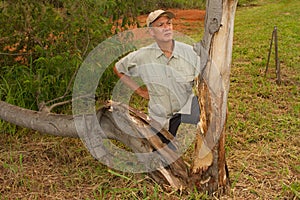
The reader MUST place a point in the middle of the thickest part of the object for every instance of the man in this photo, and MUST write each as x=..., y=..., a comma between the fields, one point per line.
x=168, y=69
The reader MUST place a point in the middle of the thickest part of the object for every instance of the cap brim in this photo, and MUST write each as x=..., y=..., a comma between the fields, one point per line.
x=168, y=13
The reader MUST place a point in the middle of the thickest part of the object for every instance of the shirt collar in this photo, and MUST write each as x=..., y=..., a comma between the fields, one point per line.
x=160, y=53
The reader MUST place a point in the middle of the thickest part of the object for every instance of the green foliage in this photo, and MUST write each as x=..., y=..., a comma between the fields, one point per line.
x=44, y=42
x=149, y=5
x=35, y=29
x=44, y=45
x=44, y=79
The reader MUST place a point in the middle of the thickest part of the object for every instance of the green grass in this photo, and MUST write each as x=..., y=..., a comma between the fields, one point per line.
x=264, y=123
x=263, y=144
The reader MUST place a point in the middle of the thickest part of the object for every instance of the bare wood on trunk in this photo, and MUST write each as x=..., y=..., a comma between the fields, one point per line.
x=215, y=51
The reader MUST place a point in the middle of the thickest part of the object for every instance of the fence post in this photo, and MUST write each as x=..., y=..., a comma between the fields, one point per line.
x=278, y=81
x=277, y=63
x=269, y=55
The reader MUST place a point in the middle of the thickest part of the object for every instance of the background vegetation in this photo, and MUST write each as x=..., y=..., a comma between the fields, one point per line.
x=42, y=45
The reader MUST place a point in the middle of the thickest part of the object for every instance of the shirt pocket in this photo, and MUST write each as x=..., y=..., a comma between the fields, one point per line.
x=185, y=83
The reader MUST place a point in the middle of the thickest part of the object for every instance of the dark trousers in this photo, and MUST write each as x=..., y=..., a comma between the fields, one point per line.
x=192, y=118
x=177, y=119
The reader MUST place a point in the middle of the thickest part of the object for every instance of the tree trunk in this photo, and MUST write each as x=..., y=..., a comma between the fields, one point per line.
x=215, y=51
x=208, y=171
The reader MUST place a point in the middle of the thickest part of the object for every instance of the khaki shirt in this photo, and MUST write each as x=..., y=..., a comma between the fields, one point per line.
x=168, y=80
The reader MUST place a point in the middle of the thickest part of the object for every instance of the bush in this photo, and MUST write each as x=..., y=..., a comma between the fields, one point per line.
x=149, y=5
x=44, y=42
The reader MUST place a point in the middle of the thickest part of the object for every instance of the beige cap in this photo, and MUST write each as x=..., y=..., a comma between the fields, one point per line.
x=157, y=13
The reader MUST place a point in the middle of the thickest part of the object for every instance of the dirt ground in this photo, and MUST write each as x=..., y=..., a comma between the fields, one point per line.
x=186, y=21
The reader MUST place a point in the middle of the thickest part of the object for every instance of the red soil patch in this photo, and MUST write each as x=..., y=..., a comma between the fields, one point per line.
x=186, y=21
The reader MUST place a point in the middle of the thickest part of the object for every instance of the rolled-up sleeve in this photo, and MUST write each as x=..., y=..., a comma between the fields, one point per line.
x=128, y=65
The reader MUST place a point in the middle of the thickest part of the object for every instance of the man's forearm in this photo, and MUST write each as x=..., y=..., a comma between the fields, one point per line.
x=132, y=84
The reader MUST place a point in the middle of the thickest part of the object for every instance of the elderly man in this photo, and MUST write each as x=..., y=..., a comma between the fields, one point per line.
x=168, y=69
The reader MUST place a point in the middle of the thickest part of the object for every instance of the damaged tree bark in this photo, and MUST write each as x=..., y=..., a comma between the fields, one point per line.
x=208, y=170
x=215, y=51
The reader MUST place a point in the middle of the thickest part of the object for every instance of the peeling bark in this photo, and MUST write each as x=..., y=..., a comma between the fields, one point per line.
x=215, y=51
